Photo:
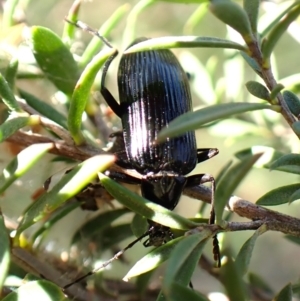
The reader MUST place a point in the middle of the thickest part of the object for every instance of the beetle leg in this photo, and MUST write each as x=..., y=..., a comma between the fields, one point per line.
x=201, y=179
x=122, y=177
x=204, y=154
x=114, y=105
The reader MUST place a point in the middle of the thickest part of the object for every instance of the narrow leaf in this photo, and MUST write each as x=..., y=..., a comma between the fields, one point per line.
x=292, y=101
x=183, y=260
x=179, y=292
x=293, y=239
x=234, y=285
x=244, y=256
x=23, y=162
x=44, y=108
x=142, y=283
x=69, y=29
x=230, y=182
x=193, y=120
x=296, y=127
x=252, y=8
x=258, y=90
x=252, y=63
x=153, y=259
x=54, y=58
x=98, y=223
x=295, y=196
x=286, y=294
x=37, y=290
x=268, y=157
x=115, y=234
x=82, y=92
x=278, y=196
x=94, y=46
x=290, y=159
x=4, y=251
x=184, y=42
x=11, y=72
x=53, y=219
x=139, y=225
x=233, y=15
x=72, y=183
x=10, y=126
x=8, y=96
x=144, y=207
x=278, y=30
x=257, y=282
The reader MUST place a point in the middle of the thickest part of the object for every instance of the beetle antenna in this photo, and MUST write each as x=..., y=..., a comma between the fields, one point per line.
x=106, y=263
x=90, y=30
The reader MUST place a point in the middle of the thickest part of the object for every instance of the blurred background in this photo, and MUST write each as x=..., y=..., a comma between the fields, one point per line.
x=216, y=76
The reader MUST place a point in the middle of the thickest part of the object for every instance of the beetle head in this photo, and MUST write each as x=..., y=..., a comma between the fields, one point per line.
x=164, y=188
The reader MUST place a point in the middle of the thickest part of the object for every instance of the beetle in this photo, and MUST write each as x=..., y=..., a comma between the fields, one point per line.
x=153, y=91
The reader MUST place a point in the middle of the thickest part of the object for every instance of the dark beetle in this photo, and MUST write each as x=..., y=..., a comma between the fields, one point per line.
x=154, y=90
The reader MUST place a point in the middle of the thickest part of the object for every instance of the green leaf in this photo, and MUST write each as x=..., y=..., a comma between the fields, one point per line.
x=286, y=294
x=115, y=234
x=252, y=9
x=268, y=157
x=4, y=251
x=71, y=184
x=9, y=9
x=10, y=126
x=139, y=225
x=278, y=30
x=244, y=256
x=11, y=72
x=44, y=108
x=193, y=120
x=251, y=62
x=153, y=259
x=257, y=282
x=82, y=92
x=276, y=90
x=94, y=46
x=184, y=42
x=179, y=292
x=278, y=196
x=183, y=260
x=41, y=290
x=295, y=196
x=278, y=18
x=293, y=239
x=142, y=283
x=233, y=15
x=54, y=58
x=53, y=219
x=290, y=159
x=230, y=182
x=144, y=207
x=98, y=223
x=131, y=21
x=23, y=162
x=232, y=281
x=8, y=96
x=69, y=29
x=195, y=19
x=296, y=127
x=292, y=101
x=258, y=90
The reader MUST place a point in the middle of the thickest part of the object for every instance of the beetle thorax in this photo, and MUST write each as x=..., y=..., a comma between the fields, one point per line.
x=163, y=188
